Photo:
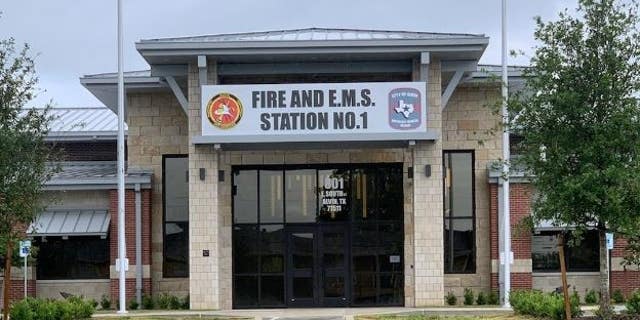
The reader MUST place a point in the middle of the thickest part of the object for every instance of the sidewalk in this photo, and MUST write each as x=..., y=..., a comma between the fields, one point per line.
x=318, y=313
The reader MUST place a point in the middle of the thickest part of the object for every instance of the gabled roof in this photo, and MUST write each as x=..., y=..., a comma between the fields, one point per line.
x=318, y=34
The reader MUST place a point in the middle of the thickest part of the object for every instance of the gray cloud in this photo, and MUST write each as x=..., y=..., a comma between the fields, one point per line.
x=73, y=38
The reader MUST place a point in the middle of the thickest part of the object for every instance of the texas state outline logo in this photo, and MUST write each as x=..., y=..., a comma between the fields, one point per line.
x=405, y=109
x=224, y=110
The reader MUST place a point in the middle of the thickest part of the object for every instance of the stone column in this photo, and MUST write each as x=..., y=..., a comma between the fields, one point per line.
x=427, y=195
x=204, y=221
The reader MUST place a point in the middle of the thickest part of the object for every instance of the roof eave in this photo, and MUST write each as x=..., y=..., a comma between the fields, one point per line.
x=150, y=48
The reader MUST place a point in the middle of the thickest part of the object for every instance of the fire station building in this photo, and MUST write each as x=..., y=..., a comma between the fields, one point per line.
x=300, y=168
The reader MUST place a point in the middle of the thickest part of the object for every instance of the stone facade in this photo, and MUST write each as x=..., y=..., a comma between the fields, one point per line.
x=469, y=124
x=157, y=126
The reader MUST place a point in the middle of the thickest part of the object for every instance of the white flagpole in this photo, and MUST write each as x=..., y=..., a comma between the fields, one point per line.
x=122, y=248
x=506, y=226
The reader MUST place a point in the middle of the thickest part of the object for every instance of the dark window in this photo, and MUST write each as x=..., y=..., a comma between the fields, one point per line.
x=459, y=212
x=73, y=258
x=176, y=216
x=584, y=256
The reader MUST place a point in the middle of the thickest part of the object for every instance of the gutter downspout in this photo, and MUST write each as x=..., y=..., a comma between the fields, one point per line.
x=138, y=244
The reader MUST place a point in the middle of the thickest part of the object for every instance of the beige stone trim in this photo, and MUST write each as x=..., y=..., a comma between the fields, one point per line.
x=518, y=266
x=131, y=273
x=617, y=265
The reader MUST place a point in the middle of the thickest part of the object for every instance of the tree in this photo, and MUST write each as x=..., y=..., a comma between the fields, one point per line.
x=24, y=156
x=580, y=122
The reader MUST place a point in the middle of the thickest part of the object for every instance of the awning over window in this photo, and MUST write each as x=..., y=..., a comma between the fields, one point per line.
x=64, y=223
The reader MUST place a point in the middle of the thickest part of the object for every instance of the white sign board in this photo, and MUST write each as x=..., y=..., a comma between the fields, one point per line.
x=609, y=238
x=314, y=112
x=25, y=248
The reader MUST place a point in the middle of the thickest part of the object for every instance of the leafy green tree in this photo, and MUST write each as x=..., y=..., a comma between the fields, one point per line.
x=579, y=118
x=25, y=157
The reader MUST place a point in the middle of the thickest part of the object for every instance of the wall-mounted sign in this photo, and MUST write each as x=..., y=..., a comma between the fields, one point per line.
x=313, y=112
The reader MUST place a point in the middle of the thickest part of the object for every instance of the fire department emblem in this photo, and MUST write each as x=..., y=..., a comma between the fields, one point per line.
x=405, y=111
x=224, y=110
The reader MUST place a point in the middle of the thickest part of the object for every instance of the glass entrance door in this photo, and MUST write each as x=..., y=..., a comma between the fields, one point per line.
x=318, y=269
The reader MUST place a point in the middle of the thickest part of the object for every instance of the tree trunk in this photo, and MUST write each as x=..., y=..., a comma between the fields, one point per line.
x=604, y=272
x=7, y=280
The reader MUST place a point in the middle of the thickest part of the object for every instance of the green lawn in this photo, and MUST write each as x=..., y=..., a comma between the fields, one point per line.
x=168, y=317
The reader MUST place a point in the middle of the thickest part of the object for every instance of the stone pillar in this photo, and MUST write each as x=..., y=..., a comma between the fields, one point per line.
x=427, y=198
x=204, y=219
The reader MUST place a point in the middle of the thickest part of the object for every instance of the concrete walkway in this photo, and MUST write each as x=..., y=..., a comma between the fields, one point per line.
x=317, y=313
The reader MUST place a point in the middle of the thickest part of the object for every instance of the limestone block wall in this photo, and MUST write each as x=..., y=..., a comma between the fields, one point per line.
x=428, y=284
x=468, y=123
x=579, y=281
x=157, y=125
x=90, y=289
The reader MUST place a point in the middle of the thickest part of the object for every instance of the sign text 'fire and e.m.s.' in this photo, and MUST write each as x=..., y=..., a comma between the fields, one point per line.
x=377, y=110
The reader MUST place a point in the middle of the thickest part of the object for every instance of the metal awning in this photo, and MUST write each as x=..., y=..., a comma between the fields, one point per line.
x=65, y=223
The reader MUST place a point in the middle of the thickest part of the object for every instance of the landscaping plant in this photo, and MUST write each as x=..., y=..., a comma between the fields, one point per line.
x=451, y=299
x=591, y=297
x=541, y=305
x=493, y=298
x=579, y=125
x=633, y=303
x=482, y=299
x=617, y=296
x=468, y=297
x=73, y=308
x=105, y=302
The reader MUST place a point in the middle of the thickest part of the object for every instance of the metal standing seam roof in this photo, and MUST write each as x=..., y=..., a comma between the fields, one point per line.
x=71, y=223
x=317, y=34
x=94, y=173
x=82, y=123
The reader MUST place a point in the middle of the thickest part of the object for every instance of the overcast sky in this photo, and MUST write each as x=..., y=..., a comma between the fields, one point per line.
x=73, y=38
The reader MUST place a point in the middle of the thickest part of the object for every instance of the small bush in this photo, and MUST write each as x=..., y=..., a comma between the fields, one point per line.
x=617, y=296
x=147, y=302
x=482, y=299
x=185, y=303
x=174, y=303
x=93, y=303
x=575, y=295
x=37, y=309
x=541, y=305
x=133, y=304
x=105, y=302
x=451, y=299
x=591, y=297
x=21, y=310
x=494, y=298
x=468, y=297
x=162, y=302
x=633, y=303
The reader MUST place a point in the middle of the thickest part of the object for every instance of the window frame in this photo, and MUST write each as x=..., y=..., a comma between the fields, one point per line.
x=451, y=218
x=40, y=267
x=164, y=217
x=567, y=251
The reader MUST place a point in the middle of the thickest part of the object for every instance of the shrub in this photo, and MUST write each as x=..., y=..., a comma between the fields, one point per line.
x=133, y=304
x=21, y=310
x=37, y=309
x=468, y=297
x=575, y=295
x=617, y=296
x=174, y=303
x=633, y=303
x=93, y=303
x=162, y=302
x=105, y=302
x=591, y=297
x=541, y=305
x=451, y=299
x=494, y=298
x=185, y=302
x=482, y=299
x=147, y=302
